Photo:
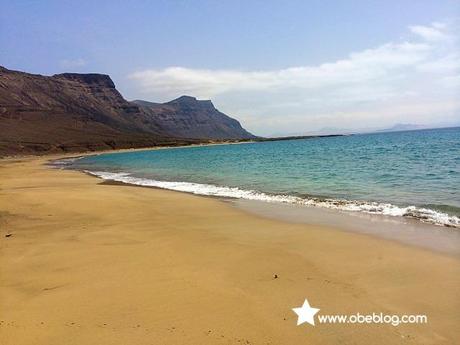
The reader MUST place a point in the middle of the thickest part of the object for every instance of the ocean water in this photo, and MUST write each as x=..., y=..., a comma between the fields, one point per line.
x=413, y=174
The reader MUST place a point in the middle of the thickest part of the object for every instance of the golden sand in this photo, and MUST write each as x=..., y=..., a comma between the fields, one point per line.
x=92, y=263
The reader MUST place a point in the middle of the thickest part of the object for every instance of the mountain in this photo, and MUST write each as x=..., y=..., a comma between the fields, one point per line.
x=402, y=127
x=188, y=117
x=81, y=112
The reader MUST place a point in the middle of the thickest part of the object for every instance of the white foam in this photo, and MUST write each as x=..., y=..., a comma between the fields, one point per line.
x=64, y=162
x=423, y=214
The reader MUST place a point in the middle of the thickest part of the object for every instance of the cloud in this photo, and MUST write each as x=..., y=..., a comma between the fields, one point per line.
x=358, y=68
x=390, y=82
x=435, y=32
x=75, y=63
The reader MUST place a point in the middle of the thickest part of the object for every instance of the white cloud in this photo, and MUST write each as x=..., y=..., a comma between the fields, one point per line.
x=72, y=63
x=406, y=81
x=434, y=32
x=358, y=68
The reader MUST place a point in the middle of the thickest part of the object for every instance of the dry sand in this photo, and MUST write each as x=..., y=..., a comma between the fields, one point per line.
x=91, y=263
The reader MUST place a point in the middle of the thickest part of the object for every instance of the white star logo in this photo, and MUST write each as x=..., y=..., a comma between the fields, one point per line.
x=306, y=313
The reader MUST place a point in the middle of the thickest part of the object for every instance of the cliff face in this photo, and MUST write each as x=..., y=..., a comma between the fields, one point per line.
x=188, y=117
x=79, y=112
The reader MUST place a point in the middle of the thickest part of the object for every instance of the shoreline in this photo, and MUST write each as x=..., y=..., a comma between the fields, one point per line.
x=421, y=213
x=379, y=209
x=405, y=231
x=67, y=155
x=95, y=263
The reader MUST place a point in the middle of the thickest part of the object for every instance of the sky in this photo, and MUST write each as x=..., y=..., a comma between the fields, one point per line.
x=280, y=67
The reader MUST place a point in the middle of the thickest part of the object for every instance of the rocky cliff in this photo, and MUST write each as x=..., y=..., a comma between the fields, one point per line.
x=188, y=117
x=79, y=112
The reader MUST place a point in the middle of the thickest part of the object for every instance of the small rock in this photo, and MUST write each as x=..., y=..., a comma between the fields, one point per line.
x=275, y=276
x=8, y=235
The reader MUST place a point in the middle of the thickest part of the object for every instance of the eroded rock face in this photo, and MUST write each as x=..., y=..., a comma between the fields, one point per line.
x=188, y=117
x=90, y=79
x=78, y=112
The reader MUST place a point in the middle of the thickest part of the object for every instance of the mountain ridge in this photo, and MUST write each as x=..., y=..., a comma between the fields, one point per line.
x=85, y=112
x=186, y=116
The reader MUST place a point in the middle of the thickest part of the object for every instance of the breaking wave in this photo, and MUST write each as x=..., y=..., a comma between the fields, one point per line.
x=423, y=214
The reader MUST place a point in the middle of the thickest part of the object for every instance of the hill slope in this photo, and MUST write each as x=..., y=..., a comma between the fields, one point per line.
x=188, y=117
x=79, y=112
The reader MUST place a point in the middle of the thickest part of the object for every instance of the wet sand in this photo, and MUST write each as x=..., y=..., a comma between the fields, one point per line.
x=92, y=263
x=408, y=231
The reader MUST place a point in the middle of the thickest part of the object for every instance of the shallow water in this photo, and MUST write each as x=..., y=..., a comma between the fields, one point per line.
x=414, y=174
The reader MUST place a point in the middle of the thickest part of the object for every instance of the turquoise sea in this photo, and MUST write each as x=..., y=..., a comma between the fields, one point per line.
x=413, y=174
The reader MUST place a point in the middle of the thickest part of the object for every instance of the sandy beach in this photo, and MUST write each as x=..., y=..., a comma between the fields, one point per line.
x=86, y=262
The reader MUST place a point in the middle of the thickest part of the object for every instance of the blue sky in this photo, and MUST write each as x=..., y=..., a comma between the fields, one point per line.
x=281, y=67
